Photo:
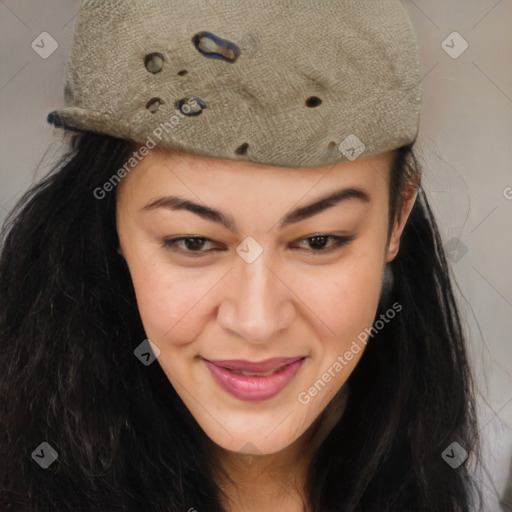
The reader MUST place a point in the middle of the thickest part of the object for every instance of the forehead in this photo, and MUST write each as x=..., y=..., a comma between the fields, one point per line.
x=172, y=168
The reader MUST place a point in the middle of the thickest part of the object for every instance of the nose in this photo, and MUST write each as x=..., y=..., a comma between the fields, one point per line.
x=258, y=303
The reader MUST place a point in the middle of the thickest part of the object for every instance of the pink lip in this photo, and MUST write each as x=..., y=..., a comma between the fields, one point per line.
x=260, y=366
x=255, y=388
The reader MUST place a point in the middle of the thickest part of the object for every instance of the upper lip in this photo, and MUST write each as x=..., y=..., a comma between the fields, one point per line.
x=259, y=366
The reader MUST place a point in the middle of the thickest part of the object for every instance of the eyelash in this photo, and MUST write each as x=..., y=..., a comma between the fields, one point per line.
x=339, y=242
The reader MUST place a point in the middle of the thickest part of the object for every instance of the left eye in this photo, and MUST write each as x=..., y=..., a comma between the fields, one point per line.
x=317, y=243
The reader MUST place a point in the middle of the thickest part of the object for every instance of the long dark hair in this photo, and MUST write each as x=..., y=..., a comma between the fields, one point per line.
x=125, y=441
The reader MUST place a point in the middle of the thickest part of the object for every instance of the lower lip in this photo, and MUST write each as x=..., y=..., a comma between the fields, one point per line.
x=254, y=388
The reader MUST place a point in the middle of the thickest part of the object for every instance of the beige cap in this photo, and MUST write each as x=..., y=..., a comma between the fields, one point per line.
x=292, y=83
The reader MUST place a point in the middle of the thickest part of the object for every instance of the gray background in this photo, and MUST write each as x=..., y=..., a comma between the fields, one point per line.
x=465, y=146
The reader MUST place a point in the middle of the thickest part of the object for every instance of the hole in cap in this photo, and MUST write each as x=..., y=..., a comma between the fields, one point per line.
x=214, y=47
x=331, y=144
x=154, y=104
x=183, y=72
x=191, y=106
x=313, y=101
x=242, y=149
x=154, y=62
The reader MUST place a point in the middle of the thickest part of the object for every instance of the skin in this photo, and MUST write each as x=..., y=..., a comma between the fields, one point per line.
x=290, y=301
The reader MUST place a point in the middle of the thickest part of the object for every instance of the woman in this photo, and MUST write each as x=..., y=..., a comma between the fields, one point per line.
x=244, y=308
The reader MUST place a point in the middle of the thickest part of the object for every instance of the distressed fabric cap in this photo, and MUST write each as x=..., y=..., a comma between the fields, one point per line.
x=291, y=83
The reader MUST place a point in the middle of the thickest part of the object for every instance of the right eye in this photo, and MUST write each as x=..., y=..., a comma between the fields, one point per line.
x=193, y=245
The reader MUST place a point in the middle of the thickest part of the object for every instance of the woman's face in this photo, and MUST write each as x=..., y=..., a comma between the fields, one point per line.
x=226, y=268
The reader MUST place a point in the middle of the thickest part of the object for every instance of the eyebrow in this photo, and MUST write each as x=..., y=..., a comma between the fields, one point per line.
x=296, y=215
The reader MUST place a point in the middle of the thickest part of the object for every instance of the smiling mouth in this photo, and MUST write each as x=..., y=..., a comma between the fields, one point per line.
x=254, y=381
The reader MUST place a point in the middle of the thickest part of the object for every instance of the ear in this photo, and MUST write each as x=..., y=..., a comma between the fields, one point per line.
x=409, y=198
x=119, y=251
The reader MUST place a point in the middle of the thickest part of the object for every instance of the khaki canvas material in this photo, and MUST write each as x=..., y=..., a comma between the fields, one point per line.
x=276, y=82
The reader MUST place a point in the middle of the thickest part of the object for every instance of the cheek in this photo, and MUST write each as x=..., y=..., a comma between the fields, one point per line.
x=344, y=305
x=359, y=299
x=169, y=306
x=347, y=306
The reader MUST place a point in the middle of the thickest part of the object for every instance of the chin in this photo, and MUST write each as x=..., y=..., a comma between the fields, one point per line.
x=256, y=444
x=260, y=432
